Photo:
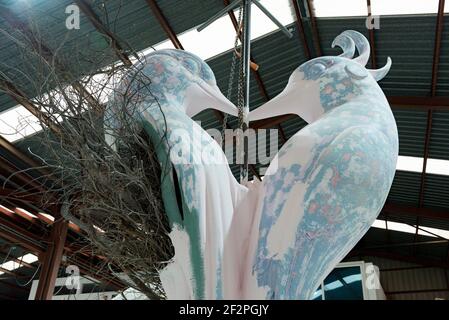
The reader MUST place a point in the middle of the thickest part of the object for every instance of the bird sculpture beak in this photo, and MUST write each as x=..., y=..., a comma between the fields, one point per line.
x=206, y=96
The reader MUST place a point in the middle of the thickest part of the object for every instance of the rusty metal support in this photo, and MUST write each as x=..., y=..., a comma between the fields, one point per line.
x=435, y=67
x=10, y=148
x=98, y=24
x=13, y=286
x=396, y=102
x=52, y=261
x=394, y=256
x=437, y=46
x=425, y=157
x=27, y=181
x=22, y=99
x=315, y=32
x=20, y=236
x=394, y=209
x=300, y=27
x=164, y=23
x=371, y=38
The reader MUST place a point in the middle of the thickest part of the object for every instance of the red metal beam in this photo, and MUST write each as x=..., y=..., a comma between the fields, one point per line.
x=98, y=24
x=17, y=235
x=396, y=102
x=164, y=24
x=395, y=209
x=371, y=38
x=18, y=261
x=421, y=103
x=437, y=46
x=425, y=156
x=31, y=242
x=300, y=27
x=22, y=99
x=435, y=65
x=10, y=148
x=13, y=286
x=315, y=32
x=395, y=256
x=415, y=291
x=28, y=182
x=52, y=261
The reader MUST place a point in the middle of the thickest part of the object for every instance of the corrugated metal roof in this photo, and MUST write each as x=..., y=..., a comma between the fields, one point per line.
x=411, y=125
x=405, y=188
x=132, y=21
x=439, y=139
x=408, y=40
x=436, y=192
x=278, y=56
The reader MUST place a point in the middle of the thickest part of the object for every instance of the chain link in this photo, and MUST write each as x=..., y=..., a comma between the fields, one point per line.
x=232, y=74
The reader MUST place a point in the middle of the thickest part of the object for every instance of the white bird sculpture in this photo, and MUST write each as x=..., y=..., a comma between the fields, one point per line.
x=279, y=238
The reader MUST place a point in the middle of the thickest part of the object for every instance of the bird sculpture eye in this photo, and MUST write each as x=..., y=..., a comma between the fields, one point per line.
x=317, y=69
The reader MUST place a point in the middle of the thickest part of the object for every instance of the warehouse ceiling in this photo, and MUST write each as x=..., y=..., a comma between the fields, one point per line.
x=417, y=88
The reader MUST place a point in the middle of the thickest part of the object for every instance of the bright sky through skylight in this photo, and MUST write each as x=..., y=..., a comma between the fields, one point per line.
x=350, y=8
x=402, y=227
x=219, y=37
x=13, y=265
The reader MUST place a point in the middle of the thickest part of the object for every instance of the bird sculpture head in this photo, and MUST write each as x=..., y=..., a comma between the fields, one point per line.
x=180, y=78
x=324, y=83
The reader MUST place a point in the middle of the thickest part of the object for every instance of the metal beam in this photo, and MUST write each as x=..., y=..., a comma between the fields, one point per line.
x=52, y=261
x=31, y=242
x=395, y=256
x=300, y=27
x=22, y=99
x=20, y=236
x=435, y=65
x=28, y=198
x=407, y=244
x=98, y=24
x=415, y=291
x=396, y=102
x=164, y=23
x=421, y=103
x=437, y=46
x=371, y=38
x=13, y=286
x=395, y=209
x=8, y=168
x=10, y=148
x=315, y=32
x=18, y=261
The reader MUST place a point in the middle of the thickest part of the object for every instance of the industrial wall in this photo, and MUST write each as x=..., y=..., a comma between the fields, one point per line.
x=407, y=281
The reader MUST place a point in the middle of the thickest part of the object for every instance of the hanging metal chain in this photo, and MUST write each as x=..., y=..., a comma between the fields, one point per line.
x=242, y=104
x=235, y=56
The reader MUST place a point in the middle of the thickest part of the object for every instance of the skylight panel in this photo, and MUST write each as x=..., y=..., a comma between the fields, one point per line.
x=397, y=7
x=13, y=265
x=219, y=37
x=402, y=227
x=341, y=8
x=437, y=166
x=412, y=164
x=347, y=8
x=17, y=123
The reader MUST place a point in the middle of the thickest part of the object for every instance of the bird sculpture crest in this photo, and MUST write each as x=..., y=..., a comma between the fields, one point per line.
x=278, y=238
